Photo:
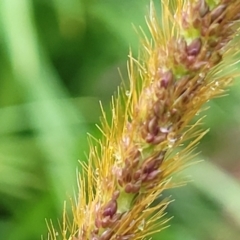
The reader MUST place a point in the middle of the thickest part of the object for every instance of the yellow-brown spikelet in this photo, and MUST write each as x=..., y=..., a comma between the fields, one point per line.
x=179, y=70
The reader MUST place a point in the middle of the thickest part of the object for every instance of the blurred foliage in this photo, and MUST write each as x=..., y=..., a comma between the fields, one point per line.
x=57, y=60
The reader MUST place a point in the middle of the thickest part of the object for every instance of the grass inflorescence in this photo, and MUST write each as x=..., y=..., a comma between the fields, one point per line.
x=178, y=71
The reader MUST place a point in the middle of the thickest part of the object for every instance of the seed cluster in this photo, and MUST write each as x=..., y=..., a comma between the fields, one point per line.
x=179, y=73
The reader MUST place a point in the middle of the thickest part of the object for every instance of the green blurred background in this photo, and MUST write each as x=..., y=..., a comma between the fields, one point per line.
x=57, y=60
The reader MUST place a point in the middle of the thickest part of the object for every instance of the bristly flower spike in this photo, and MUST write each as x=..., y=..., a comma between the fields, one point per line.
x=179, y=70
